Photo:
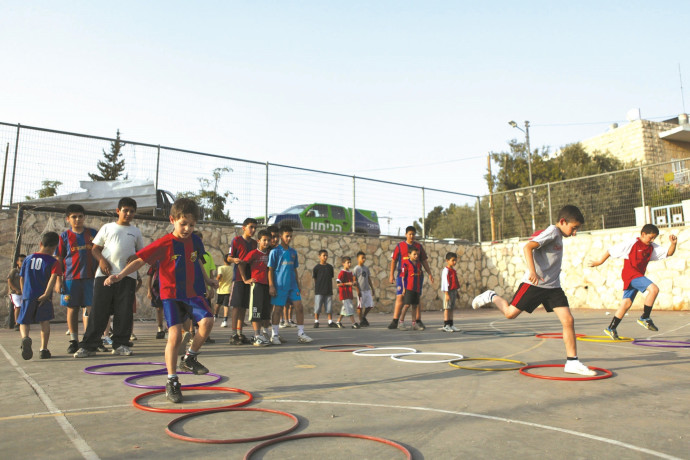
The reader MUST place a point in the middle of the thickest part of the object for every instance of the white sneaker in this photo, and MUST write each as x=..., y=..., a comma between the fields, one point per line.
x=261, y=341
x=224, y=324
x=402, y=327
x=275, y=340
x=455, y=329
x=282, y=324
x=132, y=337
x=447, y=328
x=483, y=299
x=304, y=338
x=576, y=367
x=122, y=350
x=84, y=353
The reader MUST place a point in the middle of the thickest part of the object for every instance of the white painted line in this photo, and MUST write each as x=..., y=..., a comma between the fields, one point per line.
x=497, y=419
x=84, y=449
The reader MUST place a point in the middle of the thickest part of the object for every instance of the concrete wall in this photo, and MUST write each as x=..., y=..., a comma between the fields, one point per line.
x=498, y=266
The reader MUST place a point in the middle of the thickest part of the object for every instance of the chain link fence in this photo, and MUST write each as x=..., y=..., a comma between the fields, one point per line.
x=37, y=158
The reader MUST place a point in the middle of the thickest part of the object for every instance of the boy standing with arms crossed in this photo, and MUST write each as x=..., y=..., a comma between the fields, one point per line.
x=183, y=286
x=400, y=254
x=637, y=253
x=449, y=287
x=365, y=289
x=239, y=297
x=38, y=276
x=74, y=250
x=323, y=288
x=113, y=246
x=284, y=282
x=541, y=283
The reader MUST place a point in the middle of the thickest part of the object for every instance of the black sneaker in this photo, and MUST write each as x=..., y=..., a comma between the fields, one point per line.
x=332, y=325
x=339, y=324
x=244, y=340
x=235, y=340
x=611, y=332
x=160, y=334
x=420, y=325
x=364, y=323
x=44, y=354
x=355, y=326
x=393, y=324
x=189, y=363
x=173, y=390
x=73, y=347
x=316, y=325
x=27, y=352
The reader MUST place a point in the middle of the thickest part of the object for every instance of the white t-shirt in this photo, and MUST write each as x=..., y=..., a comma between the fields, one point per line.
x=548, y=257
x=119, y=242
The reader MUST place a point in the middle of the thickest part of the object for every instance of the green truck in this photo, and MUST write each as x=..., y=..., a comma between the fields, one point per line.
x=322, y=217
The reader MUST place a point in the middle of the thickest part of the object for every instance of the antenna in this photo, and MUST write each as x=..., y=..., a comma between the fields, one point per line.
x=682, y=96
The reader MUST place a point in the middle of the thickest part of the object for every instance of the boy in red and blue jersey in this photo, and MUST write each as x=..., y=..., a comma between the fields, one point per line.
x=76, y=285
x=38, y=276
x=239, y=295
x=412, y=278
x=259, y=296
x=345, y=282
x=401, y=254
x=183, y=283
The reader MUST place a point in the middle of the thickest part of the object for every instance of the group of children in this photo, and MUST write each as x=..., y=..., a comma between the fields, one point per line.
x=97, y=269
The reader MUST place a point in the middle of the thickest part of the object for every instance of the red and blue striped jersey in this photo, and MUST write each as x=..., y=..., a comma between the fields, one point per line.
x=258, y=265
x=402, y=253
x=179, y=273
x=239, y=248
x=75, y=250
x=412, y=275
x=36, y=272
x=345, y=276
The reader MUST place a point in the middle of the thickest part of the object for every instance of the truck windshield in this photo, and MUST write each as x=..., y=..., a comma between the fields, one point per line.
x=295, y=209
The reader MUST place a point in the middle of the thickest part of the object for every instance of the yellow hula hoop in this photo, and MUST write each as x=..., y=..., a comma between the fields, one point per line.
x=603, y=338
x=522, y=364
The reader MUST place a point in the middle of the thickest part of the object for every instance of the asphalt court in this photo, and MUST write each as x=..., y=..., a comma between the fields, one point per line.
x=51, y=408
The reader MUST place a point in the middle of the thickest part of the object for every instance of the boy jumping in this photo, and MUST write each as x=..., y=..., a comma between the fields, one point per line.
x=541, y=283
x=637, y=253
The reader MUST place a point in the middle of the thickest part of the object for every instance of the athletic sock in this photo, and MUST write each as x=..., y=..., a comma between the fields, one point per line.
x=615, y=322
x=395, y=320
x=225, y=318
x=300, y=329
x=450, y=322
x=316, y=321
x=191, y=353
x=571, y=359
x=172, y=376
x=647, y=311
x=445, y=322
x=73, y=336
x=330, y=321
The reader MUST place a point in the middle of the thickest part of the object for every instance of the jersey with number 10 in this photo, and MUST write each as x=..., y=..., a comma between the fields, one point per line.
x=36, y=271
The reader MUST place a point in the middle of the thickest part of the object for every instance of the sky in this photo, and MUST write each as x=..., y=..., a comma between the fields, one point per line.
x=405, y=91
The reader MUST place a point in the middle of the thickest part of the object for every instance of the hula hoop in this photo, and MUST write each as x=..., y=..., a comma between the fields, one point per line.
x=399, y=357
x=607, y=373
x=128, y=381
x=326, y=348
x=555, y=335
x=497, y=332
x=648, y=343
x=182, y=437
x=361, y=351
x=522, y=364
x=135, y=401
x=401, y=448
x=92, y=369
x=481, y=332
x=603, y=338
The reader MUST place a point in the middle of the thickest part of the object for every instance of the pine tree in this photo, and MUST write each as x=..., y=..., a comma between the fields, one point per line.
x=113, y=165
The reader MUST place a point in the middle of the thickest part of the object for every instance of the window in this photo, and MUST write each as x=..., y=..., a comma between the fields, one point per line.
x=338, y=213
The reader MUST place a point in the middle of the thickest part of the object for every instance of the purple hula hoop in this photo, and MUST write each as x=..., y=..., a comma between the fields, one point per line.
x=128, y=381
x=653, y=343
x=92, y=369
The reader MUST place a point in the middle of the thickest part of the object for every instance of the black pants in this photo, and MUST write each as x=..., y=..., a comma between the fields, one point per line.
x=116, y=300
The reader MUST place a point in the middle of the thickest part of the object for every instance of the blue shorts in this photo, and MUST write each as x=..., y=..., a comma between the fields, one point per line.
x=284, y=295
x=32, y=312
x=77, y=293
x=636, y=285
x=399, y=287
x=176, y=311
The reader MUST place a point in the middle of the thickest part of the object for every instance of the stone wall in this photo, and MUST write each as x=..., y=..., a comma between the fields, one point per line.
x=499, y=266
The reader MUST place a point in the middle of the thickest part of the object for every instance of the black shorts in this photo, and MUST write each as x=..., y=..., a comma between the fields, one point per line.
x=156, y=302
x=260, y=302
x=239, y=295
x=223, y=299
x=411, y=297
x=528, y=297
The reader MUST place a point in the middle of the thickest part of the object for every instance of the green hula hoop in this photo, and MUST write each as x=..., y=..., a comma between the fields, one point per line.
x=522, y=364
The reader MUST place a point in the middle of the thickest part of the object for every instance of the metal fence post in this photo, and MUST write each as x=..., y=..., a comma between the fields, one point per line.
x=14, y=166
x=548, y=193
x=353, y=204
x=4, y=173
x=266, y=202
x=423, y=215
x=158, y=162
x=479, y=221
x=644, y=207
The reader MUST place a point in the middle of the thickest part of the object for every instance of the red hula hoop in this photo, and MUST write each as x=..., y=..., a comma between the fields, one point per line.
x=401, y=448
x=607, y=373
x=135, y=401
x=170, y=432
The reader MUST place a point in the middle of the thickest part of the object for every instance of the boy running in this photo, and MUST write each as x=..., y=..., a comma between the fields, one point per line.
x=365, y=289
x=183, y=286
x=541, y=283
x=345, y=281
x=38, y=276
x=637, y=253
x=449, y=287
x=74, y=251
x=239, y=297
x=323, y=288
x=284, y=282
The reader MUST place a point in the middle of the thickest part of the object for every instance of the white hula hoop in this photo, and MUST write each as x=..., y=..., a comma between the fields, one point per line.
x=398, y=357
x=362, y=351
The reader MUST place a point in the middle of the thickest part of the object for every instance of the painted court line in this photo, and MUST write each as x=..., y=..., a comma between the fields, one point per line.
x=84, y=449
x=497, y=419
